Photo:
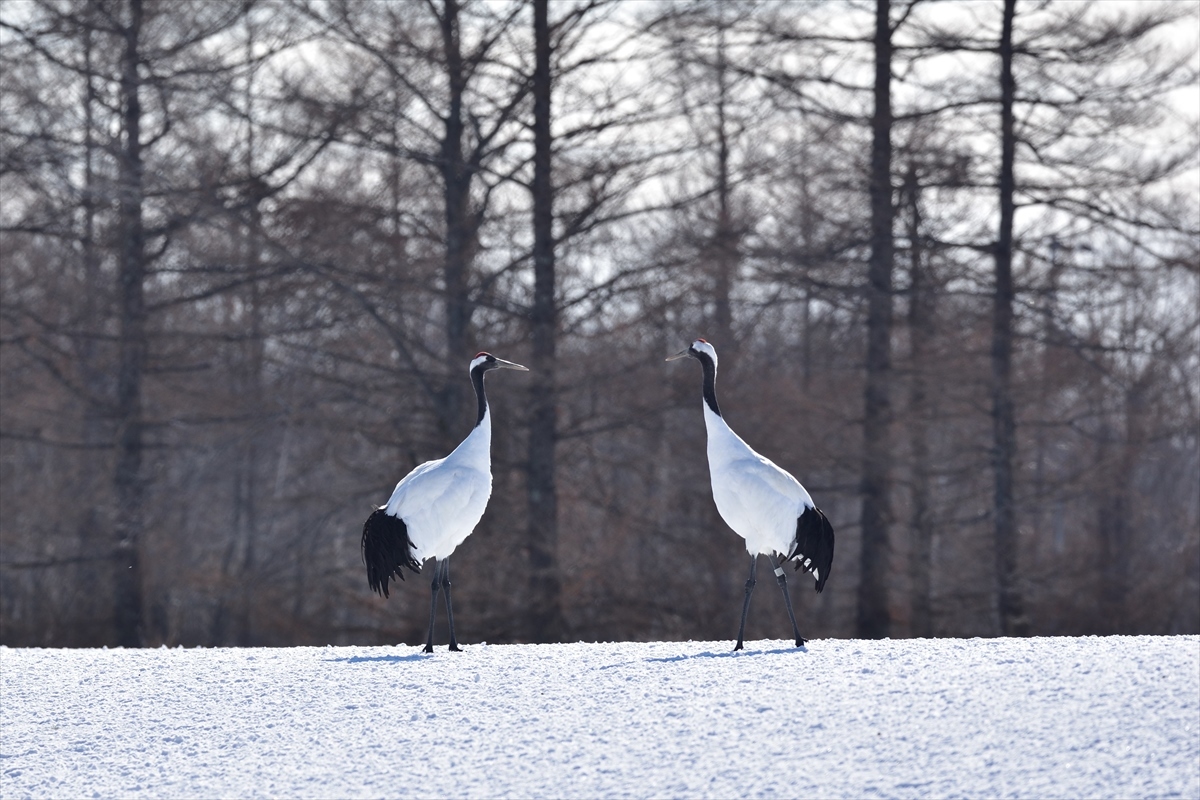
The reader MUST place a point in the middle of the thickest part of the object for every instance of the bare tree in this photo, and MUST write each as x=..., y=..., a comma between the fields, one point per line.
x=1009, y=602
x=160, y=184
x=873, y=612
x=545, y=589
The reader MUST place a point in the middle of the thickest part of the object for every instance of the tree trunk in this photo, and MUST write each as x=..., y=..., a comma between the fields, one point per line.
x=128, y=479
x=920, y=319
x=1118, y=546
x=460, y=229
x=545, y=588
x=95, y=371
x=725, y=244
x=233, y=621
x=873, y=615
x=1004, y=428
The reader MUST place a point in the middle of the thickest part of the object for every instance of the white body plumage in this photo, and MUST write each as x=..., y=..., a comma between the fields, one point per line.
x=757, y=499
x=442, y=501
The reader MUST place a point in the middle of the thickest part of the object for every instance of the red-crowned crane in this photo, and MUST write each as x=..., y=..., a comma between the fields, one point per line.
x=435, y=507
x=763, y=504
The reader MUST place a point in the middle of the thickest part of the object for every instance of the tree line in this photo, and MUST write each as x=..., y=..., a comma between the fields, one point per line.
x=949, y=254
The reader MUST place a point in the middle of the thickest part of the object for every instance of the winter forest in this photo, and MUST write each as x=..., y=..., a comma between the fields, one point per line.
x=949, y=253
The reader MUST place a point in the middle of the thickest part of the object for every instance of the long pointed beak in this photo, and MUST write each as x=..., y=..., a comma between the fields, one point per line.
x=681, y=354
x=500, y=362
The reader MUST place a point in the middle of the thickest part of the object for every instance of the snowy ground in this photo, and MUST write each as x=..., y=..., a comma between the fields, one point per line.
x=1096, y=717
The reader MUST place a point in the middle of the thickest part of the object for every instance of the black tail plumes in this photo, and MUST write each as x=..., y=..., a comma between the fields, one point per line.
x=386, y=550
x=813, y=550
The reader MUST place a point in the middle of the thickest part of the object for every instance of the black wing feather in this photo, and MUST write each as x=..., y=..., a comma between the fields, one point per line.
x=386, y=550
x=814, y=545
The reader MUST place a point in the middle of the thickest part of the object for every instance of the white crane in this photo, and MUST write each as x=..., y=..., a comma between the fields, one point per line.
x=763, y=504
x=435, y=507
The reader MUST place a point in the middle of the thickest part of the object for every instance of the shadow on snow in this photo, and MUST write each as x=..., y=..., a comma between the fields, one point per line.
x=710, y=654
x=390, y=659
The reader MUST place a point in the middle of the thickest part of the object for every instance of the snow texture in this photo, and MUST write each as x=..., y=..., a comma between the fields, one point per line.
x=1068, y=717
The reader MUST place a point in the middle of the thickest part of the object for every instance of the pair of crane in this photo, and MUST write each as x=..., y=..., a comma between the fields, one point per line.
x=437, y=505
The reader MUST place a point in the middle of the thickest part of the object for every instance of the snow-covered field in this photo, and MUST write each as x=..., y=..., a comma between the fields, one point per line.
x=1091, y=717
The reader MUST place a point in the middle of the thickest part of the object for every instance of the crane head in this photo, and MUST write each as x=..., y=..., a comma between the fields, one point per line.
x=486, y=361
x=697, y=350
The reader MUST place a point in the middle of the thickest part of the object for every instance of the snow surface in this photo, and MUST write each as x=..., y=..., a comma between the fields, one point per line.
x=1087, y=717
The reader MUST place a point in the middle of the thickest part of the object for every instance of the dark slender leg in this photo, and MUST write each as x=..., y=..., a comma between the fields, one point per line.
x=746, y=603
x=433, y=606
x=787, y=599
x=449, y=608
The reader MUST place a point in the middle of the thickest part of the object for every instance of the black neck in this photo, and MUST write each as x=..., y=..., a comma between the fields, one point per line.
x=710, y=383
x=477, y=382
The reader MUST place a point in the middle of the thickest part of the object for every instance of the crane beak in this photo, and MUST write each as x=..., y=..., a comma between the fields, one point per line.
x=500, y=362
x=681, y=354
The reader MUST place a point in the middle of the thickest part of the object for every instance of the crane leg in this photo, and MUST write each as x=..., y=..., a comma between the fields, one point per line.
x=746, y=603
x=445, y=570
x=787, y=599
x=433, y=606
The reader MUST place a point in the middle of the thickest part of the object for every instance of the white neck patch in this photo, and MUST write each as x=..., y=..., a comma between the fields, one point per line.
x=476, y=362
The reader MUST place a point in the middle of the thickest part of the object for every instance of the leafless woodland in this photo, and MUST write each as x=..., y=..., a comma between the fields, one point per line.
x=949, y=254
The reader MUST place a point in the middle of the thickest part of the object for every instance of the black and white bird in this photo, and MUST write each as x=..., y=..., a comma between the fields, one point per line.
x=763, y=504
x=435, y=507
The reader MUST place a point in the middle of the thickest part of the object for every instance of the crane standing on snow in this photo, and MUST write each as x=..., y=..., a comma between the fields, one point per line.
x=763, y=504
x=435, y=507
